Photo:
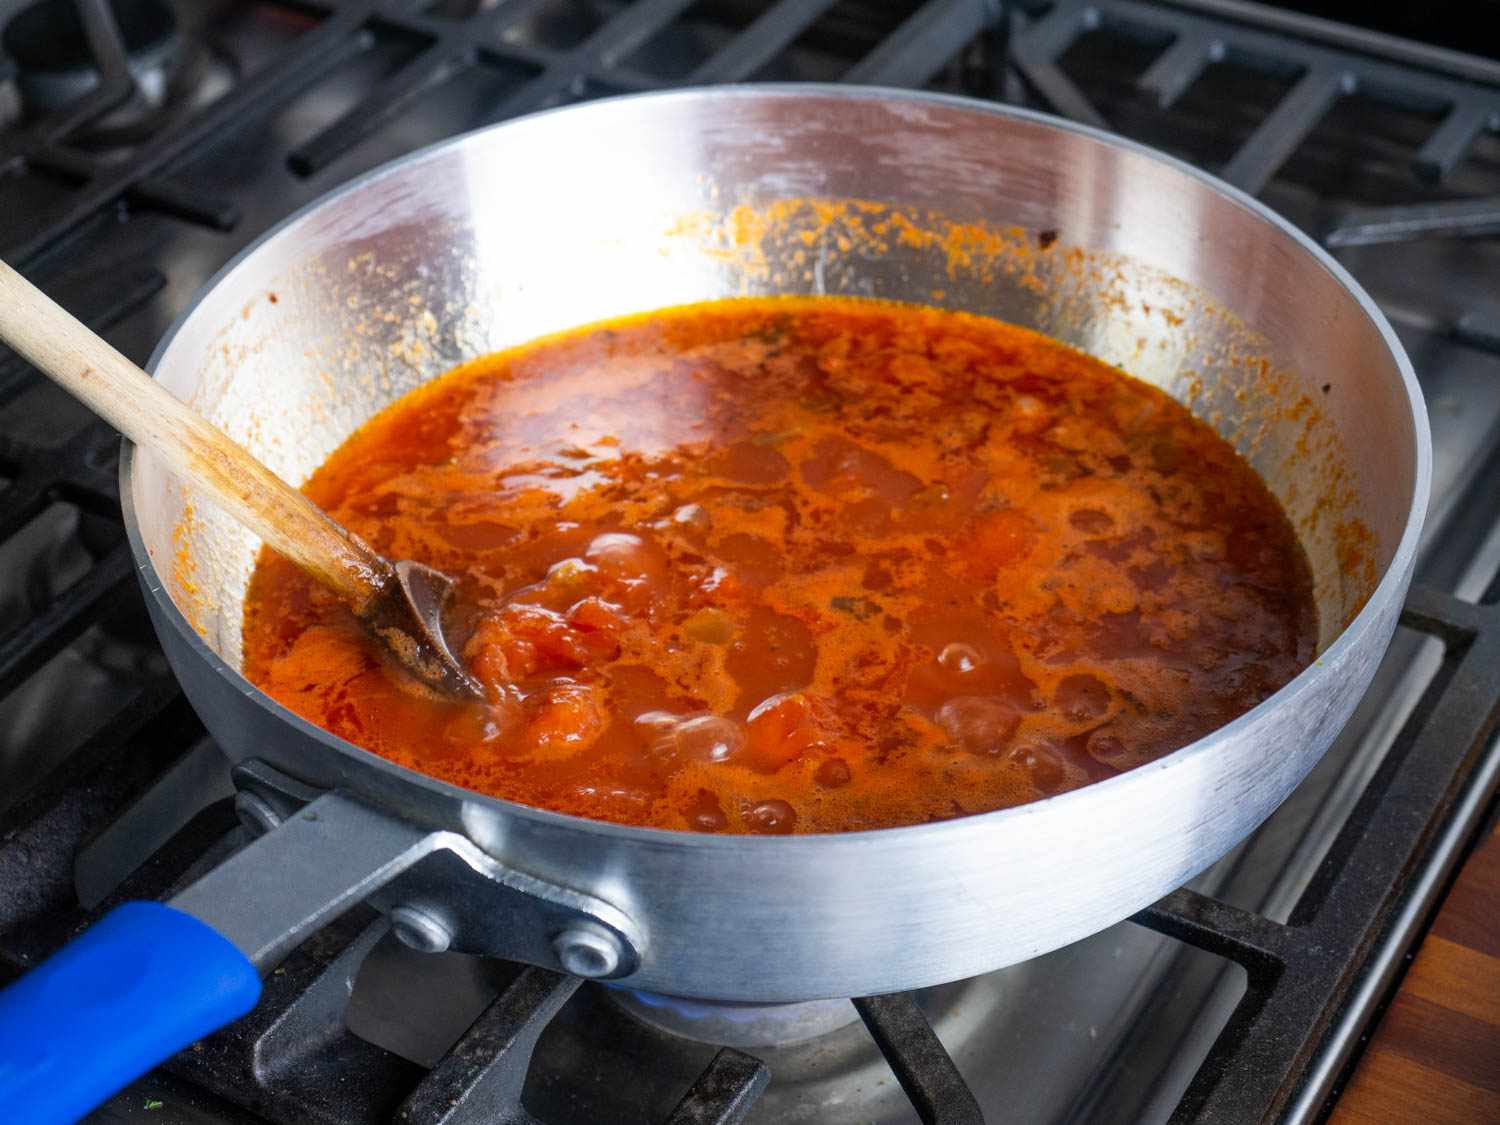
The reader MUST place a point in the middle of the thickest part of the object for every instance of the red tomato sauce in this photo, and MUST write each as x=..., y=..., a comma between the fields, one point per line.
x=798, y=565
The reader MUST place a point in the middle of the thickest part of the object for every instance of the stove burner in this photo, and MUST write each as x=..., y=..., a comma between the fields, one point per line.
x=56, y=64
x=730, y=1024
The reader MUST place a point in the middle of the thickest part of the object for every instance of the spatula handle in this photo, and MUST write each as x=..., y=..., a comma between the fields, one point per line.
x=192, y=447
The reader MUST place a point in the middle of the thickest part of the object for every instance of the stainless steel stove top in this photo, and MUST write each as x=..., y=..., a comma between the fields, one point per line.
x=279, y=102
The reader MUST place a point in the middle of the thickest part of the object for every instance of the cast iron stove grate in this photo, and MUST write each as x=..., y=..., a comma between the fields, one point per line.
x=1315, y=980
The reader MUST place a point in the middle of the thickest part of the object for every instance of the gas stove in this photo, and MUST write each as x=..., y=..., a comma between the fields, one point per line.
x=142, y=144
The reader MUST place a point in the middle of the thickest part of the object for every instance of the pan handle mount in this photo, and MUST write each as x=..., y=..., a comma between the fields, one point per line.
x=149, y=978
x=440, y=890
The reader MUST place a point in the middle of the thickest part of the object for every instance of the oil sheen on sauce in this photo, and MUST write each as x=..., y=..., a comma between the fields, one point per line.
x=798, y=565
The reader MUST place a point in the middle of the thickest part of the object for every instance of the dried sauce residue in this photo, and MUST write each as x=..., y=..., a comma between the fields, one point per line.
x=190, y=596
x=1355, y=548
x=795, y=233
x=799, y=564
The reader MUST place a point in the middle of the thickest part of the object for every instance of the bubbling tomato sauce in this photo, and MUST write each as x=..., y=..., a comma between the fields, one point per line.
x=798, y=565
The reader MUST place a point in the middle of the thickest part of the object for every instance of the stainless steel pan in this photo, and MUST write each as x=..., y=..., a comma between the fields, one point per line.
x=632, y=204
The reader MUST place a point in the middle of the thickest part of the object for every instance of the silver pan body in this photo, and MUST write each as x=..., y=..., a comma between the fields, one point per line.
x=638, y=203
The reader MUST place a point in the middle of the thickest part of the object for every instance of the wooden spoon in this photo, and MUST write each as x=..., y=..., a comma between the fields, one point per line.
x=401, y=603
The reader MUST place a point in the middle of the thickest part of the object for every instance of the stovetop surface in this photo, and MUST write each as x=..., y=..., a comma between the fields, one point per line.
x=281, y=102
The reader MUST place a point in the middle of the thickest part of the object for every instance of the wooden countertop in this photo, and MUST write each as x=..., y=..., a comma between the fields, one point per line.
x=1435, y=1055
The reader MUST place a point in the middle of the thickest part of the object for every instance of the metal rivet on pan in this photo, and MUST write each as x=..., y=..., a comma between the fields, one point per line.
x=255, y=812
x=420, y=930
x=587, y=950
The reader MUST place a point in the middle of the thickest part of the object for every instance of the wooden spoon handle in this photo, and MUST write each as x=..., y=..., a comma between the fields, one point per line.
x=193, y=447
